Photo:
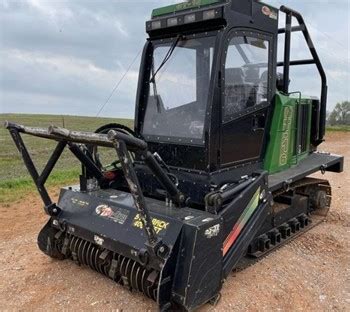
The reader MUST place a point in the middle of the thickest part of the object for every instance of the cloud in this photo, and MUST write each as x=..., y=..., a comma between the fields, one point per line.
x=73, y=52
x=78, y=82
x=66, y=56
x=328, y=24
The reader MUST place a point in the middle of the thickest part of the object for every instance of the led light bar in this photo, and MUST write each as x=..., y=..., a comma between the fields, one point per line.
x=187, y=18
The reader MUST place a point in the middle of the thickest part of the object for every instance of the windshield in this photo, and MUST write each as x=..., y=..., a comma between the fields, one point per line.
x=178, y=97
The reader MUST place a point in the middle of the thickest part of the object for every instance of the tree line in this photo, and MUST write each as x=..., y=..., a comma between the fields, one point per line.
x=340, y=114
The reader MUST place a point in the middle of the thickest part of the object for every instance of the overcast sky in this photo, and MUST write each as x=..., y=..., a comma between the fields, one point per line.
x=66, y=56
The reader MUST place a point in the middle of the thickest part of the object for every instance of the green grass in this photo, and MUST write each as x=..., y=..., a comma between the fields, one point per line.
x=17, y=188
x=14, y=178
x=341, y=128
x=13, y=174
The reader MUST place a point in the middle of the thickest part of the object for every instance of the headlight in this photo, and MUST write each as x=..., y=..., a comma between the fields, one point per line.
x=210, y=14
x=172, y=21
x=156, y=25
x=189, y=18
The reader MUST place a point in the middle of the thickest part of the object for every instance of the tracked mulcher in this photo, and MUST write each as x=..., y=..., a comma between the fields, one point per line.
x=215, y=172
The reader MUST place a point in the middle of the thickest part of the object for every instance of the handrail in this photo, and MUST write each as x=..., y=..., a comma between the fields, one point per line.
x=316, y=60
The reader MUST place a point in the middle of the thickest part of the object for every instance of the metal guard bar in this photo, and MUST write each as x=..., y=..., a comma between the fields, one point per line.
x=121, y=143
x=90, y=138
x=316, y=60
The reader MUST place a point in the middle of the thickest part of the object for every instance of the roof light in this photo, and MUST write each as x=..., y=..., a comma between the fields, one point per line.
x=210, y=14
x=156, y=25
x=172, y=21
x=190, y=18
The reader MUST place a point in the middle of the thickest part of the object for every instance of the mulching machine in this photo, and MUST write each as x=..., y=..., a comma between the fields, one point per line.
x=216, y=170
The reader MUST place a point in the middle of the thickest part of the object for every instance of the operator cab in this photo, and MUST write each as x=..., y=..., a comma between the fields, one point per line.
x=206, y=83
x=177, y=100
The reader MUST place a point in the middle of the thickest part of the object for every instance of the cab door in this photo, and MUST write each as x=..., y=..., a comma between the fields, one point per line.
x=246, y=95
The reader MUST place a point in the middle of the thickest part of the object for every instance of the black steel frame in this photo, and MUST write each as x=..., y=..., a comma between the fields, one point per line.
x=39, y=180
x=122, y=143
x=145, y=73
x=208, y=157
x=288, y=30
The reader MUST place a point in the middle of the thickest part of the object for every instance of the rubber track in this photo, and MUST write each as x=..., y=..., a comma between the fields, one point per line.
x=315, y=218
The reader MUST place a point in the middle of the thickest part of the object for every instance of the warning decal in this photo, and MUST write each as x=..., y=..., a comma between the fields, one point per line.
x=159, y=225
x=117, y=215
x=269, y=12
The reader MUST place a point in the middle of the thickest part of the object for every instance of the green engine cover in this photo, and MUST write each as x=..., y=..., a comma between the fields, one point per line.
x=289, y=140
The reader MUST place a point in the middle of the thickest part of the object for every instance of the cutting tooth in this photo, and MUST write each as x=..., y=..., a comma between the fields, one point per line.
x=97, y=255
x=93, y=252
x=80, y=251
x=133, y=275
x=71, y=243
x=151, y=281
x=75, y=246
x=99, y=263
x=104, y=260
x=148, y=288
x=106, y=265
x=79, y=242
x=128, y=272
x=90, y=255
x=121, y=267
x=155, y=286
x=155, y=294
x=143, y=280
x=138, y=278
x=117, y=271
x=85, y=253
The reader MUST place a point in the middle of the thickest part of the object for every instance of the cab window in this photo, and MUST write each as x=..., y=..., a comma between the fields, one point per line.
x=246, y=74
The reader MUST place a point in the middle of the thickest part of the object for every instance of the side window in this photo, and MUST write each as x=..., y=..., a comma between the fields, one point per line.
x=179, y=72
x=246, y=74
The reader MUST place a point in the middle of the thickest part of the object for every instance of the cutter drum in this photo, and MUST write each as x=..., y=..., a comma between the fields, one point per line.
x=122, y=270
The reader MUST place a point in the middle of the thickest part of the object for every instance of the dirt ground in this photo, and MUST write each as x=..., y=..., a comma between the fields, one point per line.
x=312, y=273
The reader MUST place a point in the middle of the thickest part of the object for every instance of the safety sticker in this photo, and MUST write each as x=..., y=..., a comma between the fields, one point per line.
x=212, y=231
x=117, y=215
x=269, y=12
x=79, y=202
x=159, y=225
x=287, y=123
